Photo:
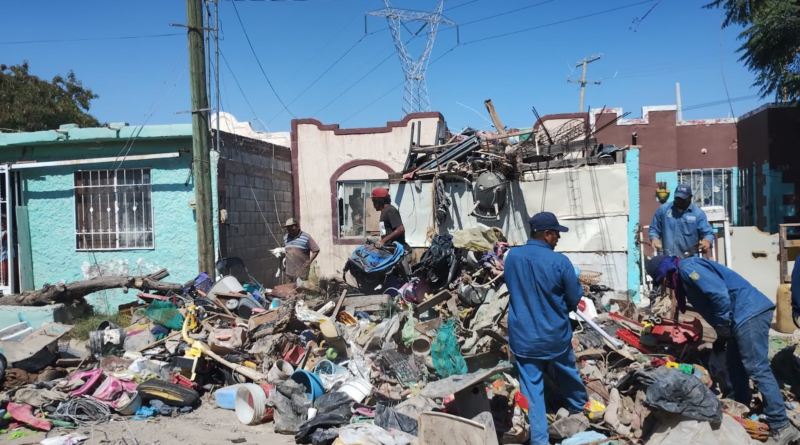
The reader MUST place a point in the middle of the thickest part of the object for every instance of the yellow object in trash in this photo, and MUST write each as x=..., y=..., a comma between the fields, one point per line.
x=647, y=327
x=594, y=410
x=673, y=365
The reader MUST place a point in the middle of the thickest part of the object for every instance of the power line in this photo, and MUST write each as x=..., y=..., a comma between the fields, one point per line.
x=92, y=39
x=269, y=82
x=319, y=77
x=224, y=59
x=557, y=23
x=354, y=84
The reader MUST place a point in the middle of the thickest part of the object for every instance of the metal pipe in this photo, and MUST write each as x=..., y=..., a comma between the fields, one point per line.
x=728, y=254
x=599, y=330
x=10, y=233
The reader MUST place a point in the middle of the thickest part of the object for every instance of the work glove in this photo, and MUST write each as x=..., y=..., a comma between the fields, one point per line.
x=657, y=244
x=705, y=245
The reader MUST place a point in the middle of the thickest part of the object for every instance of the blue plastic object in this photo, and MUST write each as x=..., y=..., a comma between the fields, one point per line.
x=226, y=397
x=372, y=260
x=311, y=381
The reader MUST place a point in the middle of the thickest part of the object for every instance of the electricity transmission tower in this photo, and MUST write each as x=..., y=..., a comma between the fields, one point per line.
x=415, y=89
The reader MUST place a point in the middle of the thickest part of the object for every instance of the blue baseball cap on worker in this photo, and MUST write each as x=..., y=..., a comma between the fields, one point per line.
x=545, y=221
x=684, y=191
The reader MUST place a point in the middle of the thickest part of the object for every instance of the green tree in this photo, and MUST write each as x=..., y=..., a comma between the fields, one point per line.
x=28, y=103
x=771, y=42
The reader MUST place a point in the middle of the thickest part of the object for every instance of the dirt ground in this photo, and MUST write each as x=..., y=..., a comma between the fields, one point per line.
x=207, y=425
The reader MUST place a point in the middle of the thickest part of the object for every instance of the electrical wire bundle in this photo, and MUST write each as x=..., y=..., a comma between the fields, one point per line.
x=84, y=411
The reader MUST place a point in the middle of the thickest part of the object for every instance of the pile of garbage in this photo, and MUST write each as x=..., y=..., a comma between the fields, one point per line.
x=387, y=354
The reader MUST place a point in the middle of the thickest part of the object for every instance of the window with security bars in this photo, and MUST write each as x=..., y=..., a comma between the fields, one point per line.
x=113, y=209
x=710, y=187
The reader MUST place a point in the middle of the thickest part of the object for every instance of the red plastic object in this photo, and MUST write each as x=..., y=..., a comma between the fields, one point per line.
x=294, y=355
x=678, y=333
x=24, y=413
x=631, y=339
x=270, y=412
x=183, y=381
x=615, y=316
x=521, y=401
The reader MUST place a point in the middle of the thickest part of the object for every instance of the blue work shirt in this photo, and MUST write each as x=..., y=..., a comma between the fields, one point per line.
x=796, y=291
x=543, y=290
x=719, y=294
x=679, y=230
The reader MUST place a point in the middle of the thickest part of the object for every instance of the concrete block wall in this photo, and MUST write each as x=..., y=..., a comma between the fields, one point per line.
x=255, y=189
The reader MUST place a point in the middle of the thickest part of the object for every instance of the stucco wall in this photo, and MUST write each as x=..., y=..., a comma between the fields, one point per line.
x=319, y=150
x=49, y=195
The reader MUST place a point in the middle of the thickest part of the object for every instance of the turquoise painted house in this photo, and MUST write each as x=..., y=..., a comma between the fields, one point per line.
x=119, y=200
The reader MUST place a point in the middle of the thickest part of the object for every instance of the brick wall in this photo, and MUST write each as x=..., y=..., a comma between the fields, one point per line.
x=255, y=188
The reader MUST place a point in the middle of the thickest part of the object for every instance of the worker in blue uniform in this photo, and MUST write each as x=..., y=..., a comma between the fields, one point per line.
x=678, y=226
x=543, y=291
x=796, y=293
x=741, y=316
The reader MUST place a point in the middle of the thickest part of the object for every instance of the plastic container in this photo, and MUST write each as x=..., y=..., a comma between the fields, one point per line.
x=421, y=345
x=227, y=285
x=327, y=367
x=358, y=389
x=130, y=407
x=15, y=332
x=251, y=405
x=783, y=315
x=226, y=397
x=294, y=355
x=232, y=304
x=281, y=370
x=312, y=383
x=247, y=307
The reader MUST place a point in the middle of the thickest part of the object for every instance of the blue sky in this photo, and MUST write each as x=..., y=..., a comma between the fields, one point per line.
x=147, y=79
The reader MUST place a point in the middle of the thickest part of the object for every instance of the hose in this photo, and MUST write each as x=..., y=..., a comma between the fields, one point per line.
x=205, y=350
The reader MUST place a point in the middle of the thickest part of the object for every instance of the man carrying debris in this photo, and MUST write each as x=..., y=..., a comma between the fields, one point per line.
x=741, y=315
x=301, y=251
x=391, y=223
x=543, y=290
x=678, y=226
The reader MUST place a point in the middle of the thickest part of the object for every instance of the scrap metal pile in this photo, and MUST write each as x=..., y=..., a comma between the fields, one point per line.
x=415, y=355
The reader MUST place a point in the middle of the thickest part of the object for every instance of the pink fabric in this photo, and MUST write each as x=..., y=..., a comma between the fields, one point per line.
x=92, y=378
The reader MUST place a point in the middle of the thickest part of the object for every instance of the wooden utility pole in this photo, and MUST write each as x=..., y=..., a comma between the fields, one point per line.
x=201, y=158
x=583, y=81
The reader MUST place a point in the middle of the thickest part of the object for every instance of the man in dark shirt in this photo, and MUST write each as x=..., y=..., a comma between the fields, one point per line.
x=390, y=221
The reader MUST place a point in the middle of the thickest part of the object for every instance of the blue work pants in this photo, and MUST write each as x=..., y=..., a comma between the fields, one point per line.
x=532, y=385
x=747, y=359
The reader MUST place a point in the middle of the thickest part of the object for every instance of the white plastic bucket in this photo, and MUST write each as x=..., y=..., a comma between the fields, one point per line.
x=281, y=370
x=129, y=407
x=227, y=285
x=358, y=389
x=251, y=405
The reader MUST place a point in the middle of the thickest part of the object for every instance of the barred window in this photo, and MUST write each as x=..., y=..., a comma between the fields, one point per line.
x=113, y=209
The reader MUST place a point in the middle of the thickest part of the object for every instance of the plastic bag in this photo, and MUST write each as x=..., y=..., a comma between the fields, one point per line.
x=676, y=392
x=165, y=314
x=409, y=333
x=446, y=353
x=368, y=434
x=389, y=419
x=291, y=406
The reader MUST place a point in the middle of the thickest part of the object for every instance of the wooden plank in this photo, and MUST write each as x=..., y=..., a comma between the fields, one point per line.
x=441, y=297
x=25, y=255
x=498, y=125
x=366, y=303
x=791, y=243
x=339, y=303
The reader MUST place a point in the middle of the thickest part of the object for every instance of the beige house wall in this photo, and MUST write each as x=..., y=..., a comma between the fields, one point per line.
x=323, y=154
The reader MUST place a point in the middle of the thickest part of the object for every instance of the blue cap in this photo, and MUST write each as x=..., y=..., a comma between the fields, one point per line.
x=684, y=191
x=545, y=221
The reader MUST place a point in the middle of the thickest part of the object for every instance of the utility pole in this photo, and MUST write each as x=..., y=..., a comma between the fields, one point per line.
x=678, y=100
x=201, y=162
x=583, y=81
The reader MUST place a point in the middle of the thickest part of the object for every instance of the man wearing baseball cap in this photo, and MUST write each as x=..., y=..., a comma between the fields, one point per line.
x=301, y=251
x=544, y=289
x=679, y=226
x=741, y=315
x=391, y=223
